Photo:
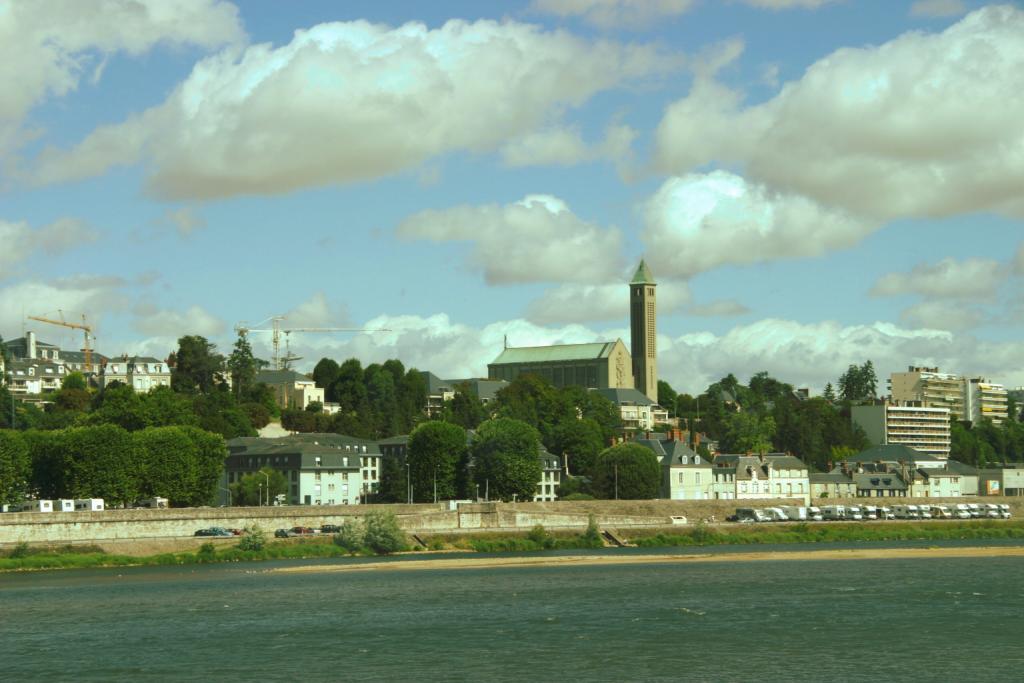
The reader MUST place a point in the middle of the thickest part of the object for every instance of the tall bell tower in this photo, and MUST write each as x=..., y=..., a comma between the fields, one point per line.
x=643, y=328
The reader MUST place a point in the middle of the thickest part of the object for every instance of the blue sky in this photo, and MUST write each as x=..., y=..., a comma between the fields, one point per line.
x=815, y=183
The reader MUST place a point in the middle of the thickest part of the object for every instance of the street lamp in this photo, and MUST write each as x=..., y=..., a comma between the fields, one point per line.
x=259, y=487
x=267, y=477
x=408, y=484
x=435, y=483
x=616, y=465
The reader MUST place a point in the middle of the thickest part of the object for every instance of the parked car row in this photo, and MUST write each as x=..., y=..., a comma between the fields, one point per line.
x=218, y=531
x=307, y=531
x=836, y=513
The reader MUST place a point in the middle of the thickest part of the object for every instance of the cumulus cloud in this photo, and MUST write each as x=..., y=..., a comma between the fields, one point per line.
x=537, y=239
x=787, y=4
x=96, y=296
x=874, y=129
x=317, y=311
x=610, y=14
x=170, y=324
x=948, y=279
x=185, y=221
x=937, y=8
x=942, y=315
x=575, y=303
x=699, y=222
x=352, y=101
x=564, y=146
x=20, y=241
x=46, y=46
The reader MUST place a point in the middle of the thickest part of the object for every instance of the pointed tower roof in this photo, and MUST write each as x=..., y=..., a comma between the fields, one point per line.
x=643, y=275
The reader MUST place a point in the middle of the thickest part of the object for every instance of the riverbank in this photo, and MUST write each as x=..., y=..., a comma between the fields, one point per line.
x=204, y=551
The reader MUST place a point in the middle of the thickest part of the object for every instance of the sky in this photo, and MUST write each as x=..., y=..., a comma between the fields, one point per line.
x=814, y=183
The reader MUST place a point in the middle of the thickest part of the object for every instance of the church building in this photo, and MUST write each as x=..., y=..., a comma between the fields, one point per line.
x=598, y=365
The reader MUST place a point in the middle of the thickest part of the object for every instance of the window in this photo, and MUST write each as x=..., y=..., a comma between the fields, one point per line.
x=318, y=462
x=680, y=477
x=696, y=477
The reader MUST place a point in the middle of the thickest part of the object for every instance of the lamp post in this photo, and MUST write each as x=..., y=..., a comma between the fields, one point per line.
x=408, y=484
x=267, y=477
x=616, y=466
x=435, y=483
x=259, y=487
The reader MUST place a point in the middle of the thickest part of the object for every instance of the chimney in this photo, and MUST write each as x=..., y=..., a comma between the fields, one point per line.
x=30, y=342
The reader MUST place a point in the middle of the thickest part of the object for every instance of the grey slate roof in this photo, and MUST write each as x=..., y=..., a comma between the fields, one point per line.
x=890, y=453
x=625, y=397
x=960, y=468
x=834, y=477
x=879, y=481
x=555, y=353
x=333, y=443
x=273, y=377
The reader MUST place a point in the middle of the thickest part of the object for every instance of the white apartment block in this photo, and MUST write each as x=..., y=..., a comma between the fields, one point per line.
x=758, y=477
x=966, y=398
x=550, y=478
x=141, y=373
x=925, y=429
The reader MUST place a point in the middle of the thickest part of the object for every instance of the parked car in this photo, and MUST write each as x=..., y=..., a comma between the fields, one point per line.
x=330, y=529
x=302, y=531
x=214, y=531
x=282, y=533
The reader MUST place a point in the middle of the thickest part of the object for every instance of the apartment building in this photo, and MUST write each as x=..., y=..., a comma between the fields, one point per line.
x=685, y=474
x=141, y=373
x=911, y=424
x=773, y=475
x=966, y=398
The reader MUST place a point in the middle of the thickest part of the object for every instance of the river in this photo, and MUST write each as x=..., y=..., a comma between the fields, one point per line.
x=813, y=620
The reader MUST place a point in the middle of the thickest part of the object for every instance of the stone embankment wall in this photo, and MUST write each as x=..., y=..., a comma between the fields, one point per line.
x=127, y=525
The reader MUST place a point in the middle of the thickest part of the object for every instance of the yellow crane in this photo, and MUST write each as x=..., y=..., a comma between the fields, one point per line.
x=86, y=329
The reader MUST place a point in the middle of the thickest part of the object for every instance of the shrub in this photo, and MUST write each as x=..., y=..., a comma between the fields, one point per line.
x=253, y=539
x=541, y=537
x=383, y=535
x=577, y=496
x=207, y=552
x=20, y=550
x=352, y=536
x=593, y=533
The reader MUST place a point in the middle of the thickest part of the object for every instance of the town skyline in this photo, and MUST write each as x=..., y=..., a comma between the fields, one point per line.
x=180, y=173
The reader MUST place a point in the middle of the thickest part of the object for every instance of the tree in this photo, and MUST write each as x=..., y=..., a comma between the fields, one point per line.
x=748, y=432
x=118, y=404
x=580, y=442
x=197, y=364
x=15, y=467
x=382, y=534
x=243, y=366
x=162, y=407
x=259, y=488
x=464, y=409
x=830, y=393
x=259, y=416
x=435, y=451
x=325, y=374
x=74, y=380
x=218, y=412
x=858, y=383
x=393, y=488
x=170, y=464
x=627, y=471
x=506, y=459
x=211, y=450
x=101, y=462
x=667, y=397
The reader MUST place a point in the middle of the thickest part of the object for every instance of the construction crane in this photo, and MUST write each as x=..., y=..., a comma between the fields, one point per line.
x=86, y=329
x=281, y=362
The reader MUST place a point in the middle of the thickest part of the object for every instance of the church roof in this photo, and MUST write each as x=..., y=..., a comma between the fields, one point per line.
x=558, y=352
x=643, y=275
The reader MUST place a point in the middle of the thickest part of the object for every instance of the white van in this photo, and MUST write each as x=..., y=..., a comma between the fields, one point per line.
x=814, y=514
x=795, y=513
x=990, y=510
x=153, y=503
x=1004, y=510
x=854, y=512
x=924, y=511
x=89, y=504
x=961, y=511
x=870, y=512
x=833, y=513
x=885, y=512
x=941, y=512
x=974, y=509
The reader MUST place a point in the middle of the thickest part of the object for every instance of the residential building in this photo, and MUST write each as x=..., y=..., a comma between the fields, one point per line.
x=773, y=475
x=879, y=485
x=834, y=484
x=141, y=373
x=686, y=475
x=291, y=389
x=643, y=331
x=441, y=390
x=34, y=376
x=919, y=475
x=911, y=424
x=45, y=365
x=636, y=410
x=972, y=399
x=968, y=477
x=550, y=477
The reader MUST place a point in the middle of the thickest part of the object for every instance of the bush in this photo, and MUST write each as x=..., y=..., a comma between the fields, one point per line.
x=383, y=535
x=253, y=539
x=541, y=537
x=207, y=552
x=20, y=550
x=593, y=533
x=352, y=536
x=577, y=496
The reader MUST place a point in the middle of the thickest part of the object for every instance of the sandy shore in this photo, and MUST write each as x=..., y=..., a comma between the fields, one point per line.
x=603, y=560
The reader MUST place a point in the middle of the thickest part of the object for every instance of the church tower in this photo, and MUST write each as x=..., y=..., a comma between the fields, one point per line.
x=643, y=328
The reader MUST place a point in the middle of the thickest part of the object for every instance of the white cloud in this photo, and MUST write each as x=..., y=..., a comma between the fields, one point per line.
x=96, y=296
x=352, y=101
x=942, y=315
x=20, y=241
x=316, y=311
x=724, y=308
x=1018, y=261
x=537, y=239
x=875, y=129
x=185, y=221
x=937, y=8
x=787, y=4
x=612, y=14
x=172, y=324
x=574, y=303
x=948, y=279
x=699, y=222
x=47, y=45
x=564, y=146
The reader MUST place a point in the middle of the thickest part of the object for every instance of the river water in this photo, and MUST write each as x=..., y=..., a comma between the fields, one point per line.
x=817, y=620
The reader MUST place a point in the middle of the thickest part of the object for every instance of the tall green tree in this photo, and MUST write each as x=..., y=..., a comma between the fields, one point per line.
x=506, y=459
x=101, y=462
x=435, y=451
x=667, y=397
x=325, y=374
x=243, y=366
x=15, y=467
x=748, y=432
x=628, y=471
x=257, y=489
x=579, y=442
x=464, y=409
x=170, y=464
x=197, y=364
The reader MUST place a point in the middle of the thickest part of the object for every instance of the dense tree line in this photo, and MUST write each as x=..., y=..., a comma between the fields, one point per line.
x=182, y=464
x=985, y=443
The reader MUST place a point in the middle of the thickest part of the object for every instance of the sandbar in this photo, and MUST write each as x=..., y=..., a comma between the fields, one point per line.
x=604, y=560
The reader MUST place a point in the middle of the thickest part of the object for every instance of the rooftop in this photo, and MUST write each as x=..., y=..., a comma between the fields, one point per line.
x=555, y=353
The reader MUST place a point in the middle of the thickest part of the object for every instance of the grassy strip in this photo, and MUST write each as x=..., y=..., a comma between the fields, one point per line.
x=834, y=533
